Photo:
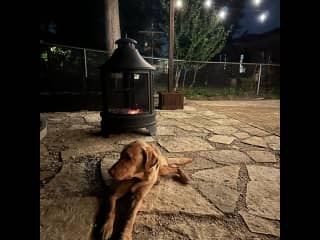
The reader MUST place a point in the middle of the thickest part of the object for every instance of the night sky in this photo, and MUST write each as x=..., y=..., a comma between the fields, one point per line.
x=86, y=26
x=250, y=23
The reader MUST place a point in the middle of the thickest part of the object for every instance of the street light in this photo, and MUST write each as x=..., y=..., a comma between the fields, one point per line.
x=262, y=17
x=257, y=2
x=222, y=13
x=207, y=3
x=179, y=4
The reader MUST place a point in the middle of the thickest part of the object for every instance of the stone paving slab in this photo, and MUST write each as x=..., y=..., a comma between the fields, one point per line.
x=262, y=156
x=189, y=109
x=263, y=114
x=256, y=141
x=241, y=135
x=262, y=173
x=222, y=197
x=166, y=131
x=224, y=130
x=167, y=122
x=273, y=142
x=263, y=199
x=263, y=192
x=200, y=163
x=68, y=218
x=92, y=118
x=226, y=156
x=49, y=165
x=228, y=122
x=44, y=156
x=212, y=114
x=261, y=225
x=184, y=144
x=174, y=114
x=226, y=176
x=80, y=126
x=71, y=180
x=220, y=186
x=222, y=139
x=190, y=128
x=56, y=119
x=255, y=131
x=204, y=230
x=201, y=123
x=87, y=148
x=170, y=197
x=176, y=227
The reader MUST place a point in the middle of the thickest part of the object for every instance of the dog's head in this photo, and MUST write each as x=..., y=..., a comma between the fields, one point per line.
x=136, y=159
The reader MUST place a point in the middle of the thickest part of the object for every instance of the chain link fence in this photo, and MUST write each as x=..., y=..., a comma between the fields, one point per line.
x=65, y=69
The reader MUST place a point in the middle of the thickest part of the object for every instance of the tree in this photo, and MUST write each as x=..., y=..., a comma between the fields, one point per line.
x=199, y=35
x=112, y=25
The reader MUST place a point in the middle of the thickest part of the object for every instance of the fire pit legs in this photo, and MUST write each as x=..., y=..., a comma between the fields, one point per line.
x=152, y=130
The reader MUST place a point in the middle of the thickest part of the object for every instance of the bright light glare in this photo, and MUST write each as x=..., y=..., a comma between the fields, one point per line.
x=257, y=2
x=222, y=14
x=207, y=3
x=179, y=4
x=262, y=17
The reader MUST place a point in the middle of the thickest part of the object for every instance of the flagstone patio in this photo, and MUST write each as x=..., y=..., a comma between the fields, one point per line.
x=234, y=191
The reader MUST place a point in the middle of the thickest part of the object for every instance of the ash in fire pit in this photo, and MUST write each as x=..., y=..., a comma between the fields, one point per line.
x=127, y=90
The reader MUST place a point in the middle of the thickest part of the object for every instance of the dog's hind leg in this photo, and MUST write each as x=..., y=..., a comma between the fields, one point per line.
x=166, y=170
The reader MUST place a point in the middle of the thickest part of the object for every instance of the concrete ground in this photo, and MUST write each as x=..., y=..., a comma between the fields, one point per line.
x=234, y=191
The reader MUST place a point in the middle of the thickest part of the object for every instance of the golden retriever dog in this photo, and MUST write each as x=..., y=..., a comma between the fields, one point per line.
x=138, y=169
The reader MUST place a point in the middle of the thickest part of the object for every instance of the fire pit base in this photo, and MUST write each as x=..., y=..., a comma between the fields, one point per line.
x=116, y=123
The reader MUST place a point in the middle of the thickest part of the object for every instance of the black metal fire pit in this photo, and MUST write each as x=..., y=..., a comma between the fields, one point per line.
x=127, y=91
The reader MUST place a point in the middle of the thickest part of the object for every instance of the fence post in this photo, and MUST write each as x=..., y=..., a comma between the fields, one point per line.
x=259, y=78
x=85, y=70
x=85, y=63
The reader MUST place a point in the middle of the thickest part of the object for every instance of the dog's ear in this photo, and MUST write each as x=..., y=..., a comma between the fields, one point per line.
x=150, y=156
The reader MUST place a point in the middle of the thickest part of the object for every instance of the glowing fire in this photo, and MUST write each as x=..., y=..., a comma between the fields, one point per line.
x=134, y=111
x=125, y=111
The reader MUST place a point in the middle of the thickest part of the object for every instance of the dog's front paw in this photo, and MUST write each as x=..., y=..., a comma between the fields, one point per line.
x=126, y=236
x=106, y=231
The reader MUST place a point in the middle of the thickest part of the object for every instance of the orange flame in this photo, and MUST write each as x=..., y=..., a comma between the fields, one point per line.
x=134, y=111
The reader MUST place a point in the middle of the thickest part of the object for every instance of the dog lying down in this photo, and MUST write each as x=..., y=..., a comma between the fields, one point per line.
x=138, y=169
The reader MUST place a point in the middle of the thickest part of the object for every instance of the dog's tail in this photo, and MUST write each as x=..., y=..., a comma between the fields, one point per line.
x=179, y=161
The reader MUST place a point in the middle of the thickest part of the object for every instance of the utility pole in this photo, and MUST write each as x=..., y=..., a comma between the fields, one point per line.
x=171, y=47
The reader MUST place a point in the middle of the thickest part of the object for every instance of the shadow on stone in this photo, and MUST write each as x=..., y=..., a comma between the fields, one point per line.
x=122, y=215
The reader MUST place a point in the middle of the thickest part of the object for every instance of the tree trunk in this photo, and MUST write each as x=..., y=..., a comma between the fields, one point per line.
x=112, y=24
x=184, y=78
x=177, y=77
x=194, y=77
